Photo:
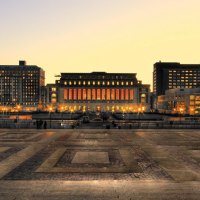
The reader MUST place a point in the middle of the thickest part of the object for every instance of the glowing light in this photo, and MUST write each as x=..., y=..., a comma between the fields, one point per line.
x=143, y=108
x=50, y=109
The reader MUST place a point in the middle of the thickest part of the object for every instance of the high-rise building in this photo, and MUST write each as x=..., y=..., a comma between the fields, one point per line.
x=100, y=91
x=168, y=75
x=21, y=85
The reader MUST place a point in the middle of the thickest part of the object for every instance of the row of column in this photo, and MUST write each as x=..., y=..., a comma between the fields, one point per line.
x=98, y=94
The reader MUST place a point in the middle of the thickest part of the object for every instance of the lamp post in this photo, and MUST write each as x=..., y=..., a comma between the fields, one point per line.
x=62, y=109
x=139, y=111
x=180, y=111
x=192, y=112
x=50, y=110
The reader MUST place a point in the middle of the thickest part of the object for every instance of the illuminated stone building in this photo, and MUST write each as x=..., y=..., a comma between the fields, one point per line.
x=21, y=86
x=180, y=101
x=101, y=91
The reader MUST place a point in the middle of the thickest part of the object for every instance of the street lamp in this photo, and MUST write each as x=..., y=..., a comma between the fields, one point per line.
x=62, y=109
x=192, y=111
x=71, y=111
x=143, y=108
x=50, y=110
x=139, y=111
x=181, y=111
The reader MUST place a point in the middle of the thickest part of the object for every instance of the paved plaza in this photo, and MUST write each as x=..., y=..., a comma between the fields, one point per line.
x=99, y=164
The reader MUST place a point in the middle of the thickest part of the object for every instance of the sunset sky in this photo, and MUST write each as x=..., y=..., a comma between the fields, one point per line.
x=99, y=35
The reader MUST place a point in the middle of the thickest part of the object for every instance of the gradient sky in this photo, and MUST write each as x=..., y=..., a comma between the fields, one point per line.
x=99, y=35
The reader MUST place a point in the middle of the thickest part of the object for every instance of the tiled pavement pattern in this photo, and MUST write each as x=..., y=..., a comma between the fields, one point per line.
x=37, y=164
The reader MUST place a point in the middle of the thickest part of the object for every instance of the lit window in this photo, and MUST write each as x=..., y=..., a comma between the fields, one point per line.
x=122, y=83
x=88, y=82
x=84, y=94
x=117, y=94
x=103, y=83
x=98, y=94
x=75, y=96
x=70, y=94
x=79, y=94
x=74, y=82
x=131, y=94
x=98, y=82
x=79, y=82
x=126, y=83
x=83, y=82
x=108, y=94
x=127, y=94
x=103, y=94
x=93, y=82
x=117, y=82
x=88, y=94
x=70, y=83
x=113, y=83
x=113, y=94
x=108, y=83
x=93, y=94
x=65, y=82
x=122, y=94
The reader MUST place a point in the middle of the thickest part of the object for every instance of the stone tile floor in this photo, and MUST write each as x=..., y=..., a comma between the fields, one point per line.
x=99, y=164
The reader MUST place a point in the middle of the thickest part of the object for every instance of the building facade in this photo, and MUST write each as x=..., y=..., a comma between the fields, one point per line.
x=51, y=94
x=174, y=75
x=21, y=86
x=100, y=91
x=180, y=101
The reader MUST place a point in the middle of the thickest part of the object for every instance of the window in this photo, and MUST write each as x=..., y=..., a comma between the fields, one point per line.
x=113, y=94
x=93, y=94
x=117, y=94
x=70, y=94
x=79, y=94
x=84, y=94
x=126, y=94
x=108, y=94
x=75, y=95
x=131, y=94
x=98, y=94
x=88, y=94
x=103, y=94
x=122, y=94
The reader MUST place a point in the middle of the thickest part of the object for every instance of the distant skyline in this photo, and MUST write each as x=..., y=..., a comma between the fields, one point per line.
x=99, y=35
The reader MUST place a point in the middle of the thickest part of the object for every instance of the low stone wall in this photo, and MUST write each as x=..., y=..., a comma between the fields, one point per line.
x=69, y=124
